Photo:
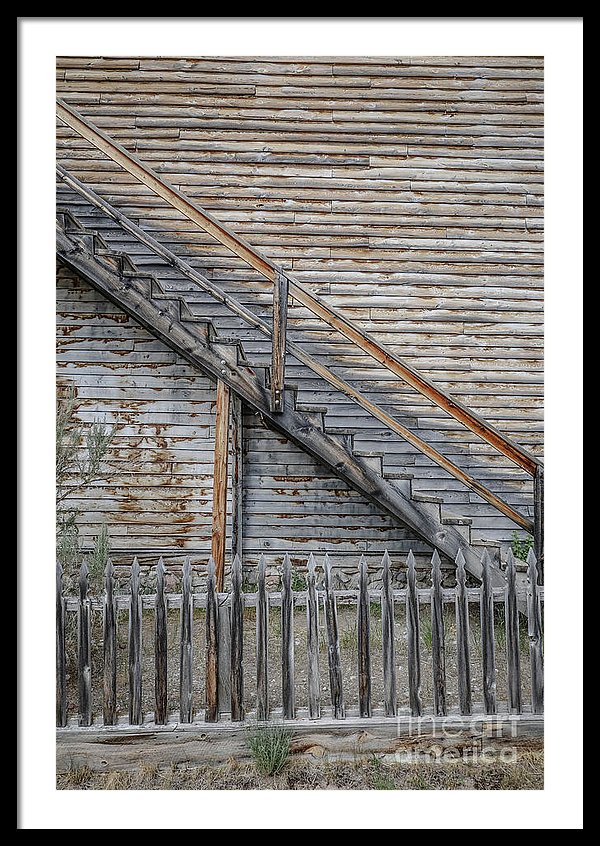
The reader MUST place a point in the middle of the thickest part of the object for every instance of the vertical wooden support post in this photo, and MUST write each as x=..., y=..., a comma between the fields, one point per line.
x=237, y=642
x=364, y=642
x=511, y=621
x=219, y=521
x=333, y=646
x=262, y=644
x=412, y=639
x=312, y=643
x=488, y=643
x=388, y=648
x=534, y=625
x=135, y=647
x=84, y=659
x=211, y=714
x=109, y=626
x=61, y=659
x=160, y=648
x=463, y=637
x=237, y=477
x=538, y=520
x=185, y=663
x=287, y=640
x=280, y=298
x=438, y=645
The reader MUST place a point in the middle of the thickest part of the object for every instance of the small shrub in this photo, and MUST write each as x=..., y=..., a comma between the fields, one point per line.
x=298, y=580
x=98, y=558
x=521, y=546
x=427, y=633
x=270, y=747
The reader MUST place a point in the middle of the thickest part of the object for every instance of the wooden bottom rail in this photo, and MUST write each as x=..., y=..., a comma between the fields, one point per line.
x=403, y=738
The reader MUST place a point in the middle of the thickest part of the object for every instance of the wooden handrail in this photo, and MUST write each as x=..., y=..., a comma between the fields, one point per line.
x=265, y=266
x=294, y=349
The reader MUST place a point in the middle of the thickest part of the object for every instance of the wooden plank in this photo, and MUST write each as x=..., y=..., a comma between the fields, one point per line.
x=412, y=639
x=84, y=649
x=262, y=644
x=463, y=637
x=237, y=642
x=488, y=640
x=538, y=520
x=185, y=656
x=287, y=640
x=61, y=656
x=134, y=647
x=388, y=646
x=211, y=713
x=109, y=639
x=536, y=643
x=219, y=526
x=511, y=619
x=364, y=649
x=160, y=648
x=333, y=646
x=438, y=653
x=237, y=477
x=312, y=642
x=279, y=343
x=224, y=657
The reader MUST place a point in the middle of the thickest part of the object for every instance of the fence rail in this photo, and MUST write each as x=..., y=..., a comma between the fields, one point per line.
x=236, y=671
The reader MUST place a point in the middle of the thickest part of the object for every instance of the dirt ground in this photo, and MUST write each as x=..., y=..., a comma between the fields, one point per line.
x=527, y=773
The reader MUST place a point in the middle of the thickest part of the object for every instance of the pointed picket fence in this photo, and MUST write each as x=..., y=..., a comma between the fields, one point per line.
x=253, y=697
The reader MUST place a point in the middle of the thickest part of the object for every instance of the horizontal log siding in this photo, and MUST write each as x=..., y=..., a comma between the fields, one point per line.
x=408, y=192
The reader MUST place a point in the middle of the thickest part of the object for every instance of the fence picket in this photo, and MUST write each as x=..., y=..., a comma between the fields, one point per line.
x=237, y=642
x=211, y=714
x=312, y=643
x=534, y=626
x=333, y=646
x=287, y=640
x=109, y=632
x=185, y=662
x=511, y=619
x=388, y=649
x=488, y=644
x=438, y=644
x=412, y=639
x=364, y=652
x=61, y=658
x=262, y=644
x=463, y=636
x=160, y=648
x=84, y=660
x=135, y=647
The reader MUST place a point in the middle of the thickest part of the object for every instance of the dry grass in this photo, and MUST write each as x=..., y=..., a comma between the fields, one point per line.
x=526, y=773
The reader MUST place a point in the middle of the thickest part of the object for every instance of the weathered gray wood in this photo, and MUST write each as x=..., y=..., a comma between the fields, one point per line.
x=109, y=638
x=287, y=640
x=84, y=649
x=237, y=642
x=536, y=644
x=160, y=648
x=219, y=525
x=538, y=520
x=412, y=639
x=488, y=640
x=438, y=647
x=185, y=656
x=463, y=637
x=364, y=649
x=61, y=657
x=333, y=647
x=511, y=618
x=388, y=646
x=262, y=644
x=280, y=300
x=312, y=642
x=211, y=713
x=237, y=477
x=134, y=647
x=224, y=659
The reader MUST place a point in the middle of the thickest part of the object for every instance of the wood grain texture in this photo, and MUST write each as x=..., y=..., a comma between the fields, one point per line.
x=219, y=523
x=412, y=639
x=333, y=646
x=364, y=641
x=84, y=649
x=185, y=654
x=211, y=713
x=488, y=640
x=534, y=626
x=160, y=648
x=262, y=643
x=438, y=646
x=513, y=653
x=109, y=639
x=134, y=646
x=387, y=645
x=312, y=642
x=237, y=477
x=278, y=356
x=237, y=642
x=61, y=658
x=463, y=637
x=287, y=640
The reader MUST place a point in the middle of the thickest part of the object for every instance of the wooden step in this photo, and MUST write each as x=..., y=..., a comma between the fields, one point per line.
x=402, y=481
x=315, y=413
x=430, y=504
x=343, y=436
x=461, y=524
x=372, y=459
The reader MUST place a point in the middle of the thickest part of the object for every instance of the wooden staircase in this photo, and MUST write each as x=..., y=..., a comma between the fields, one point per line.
x=163, y=309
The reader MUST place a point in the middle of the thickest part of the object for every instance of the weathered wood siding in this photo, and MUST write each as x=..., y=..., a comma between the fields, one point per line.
x=407, y=191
